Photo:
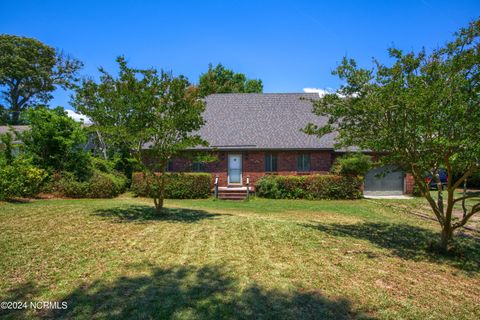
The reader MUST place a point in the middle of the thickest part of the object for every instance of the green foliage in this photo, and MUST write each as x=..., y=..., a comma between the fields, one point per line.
x=416, y=191
x=103, y=165
x=421, y=112
x=126, y=164
x=177, y=185
x=21, y=179
x=218, y=79
x=55, y=142
x=355, y=164
x=144, y=108
x=309, y=187
x=99, y=185
x=6, y=148
x=29, y=72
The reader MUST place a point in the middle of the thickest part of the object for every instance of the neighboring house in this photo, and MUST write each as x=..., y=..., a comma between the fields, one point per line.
x=12, y=130
x=90, y=145
x=254, y=135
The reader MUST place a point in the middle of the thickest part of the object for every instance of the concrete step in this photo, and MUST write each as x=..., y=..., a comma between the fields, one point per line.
x=232, y=195
x=231, y=198
x=233, y=192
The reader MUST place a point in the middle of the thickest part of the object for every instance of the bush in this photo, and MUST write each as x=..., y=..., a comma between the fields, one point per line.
x=177, y=185
x=21, y=179
x=55, y=142
x=354, y=164
x=99, y=185
x=103, y=165
x=309, y=187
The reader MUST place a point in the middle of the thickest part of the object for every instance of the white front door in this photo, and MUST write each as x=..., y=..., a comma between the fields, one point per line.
x=235, y=169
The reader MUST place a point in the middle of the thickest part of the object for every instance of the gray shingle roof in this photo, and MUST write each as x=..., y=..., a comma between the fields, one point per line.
x=262, y=121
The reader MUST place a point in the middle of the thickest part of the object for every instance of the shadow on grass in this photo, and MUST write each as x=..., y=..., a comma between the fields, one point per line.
x=409, y=242
x=24, y=292
x=195, y=293
x=141, y=213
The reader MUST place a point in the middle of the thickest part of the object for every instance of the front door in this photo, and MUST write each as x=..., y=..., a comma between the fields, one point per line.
x=234, y=169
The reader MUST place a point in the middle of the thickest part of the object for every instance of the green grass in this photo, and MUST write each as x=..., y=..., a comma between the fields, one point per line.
x=206, y=259
x=420, y=205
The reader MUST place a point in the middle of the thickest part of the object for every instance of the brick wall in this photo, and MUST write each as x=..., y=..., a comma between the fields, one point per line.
x=254, y=164
x=409, y=183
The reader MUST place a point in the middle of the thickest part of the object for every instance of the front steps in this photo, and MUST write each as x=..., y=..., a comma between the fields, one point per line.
x=233, y=193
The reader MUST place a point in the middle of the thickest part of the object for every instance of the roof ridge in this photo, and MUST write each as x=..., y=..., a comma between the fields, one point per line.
x=262, y=93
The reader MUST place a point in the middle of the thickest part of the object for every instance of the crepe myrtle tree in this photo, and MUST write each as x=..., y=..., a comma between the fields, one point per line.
x=144, y=109
x=423, y=112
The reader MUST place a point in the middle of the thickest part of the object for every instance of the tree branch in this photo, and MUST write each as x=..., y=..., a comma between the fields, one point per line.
x=426, y=193
x=461, y=223
x=464, y=176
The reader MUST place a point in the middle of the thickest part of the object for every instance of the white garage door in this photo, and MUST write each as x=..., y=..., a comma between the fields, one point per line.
x=384, y=181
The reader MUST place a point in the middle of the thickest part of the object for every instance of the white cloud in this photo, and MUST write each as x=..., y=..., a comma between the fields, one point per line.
x=321, y=92
x=78, y=117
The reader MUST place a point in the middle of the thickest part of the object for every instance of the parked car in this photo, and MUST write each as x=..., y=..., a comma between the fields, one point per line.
x=432, y=183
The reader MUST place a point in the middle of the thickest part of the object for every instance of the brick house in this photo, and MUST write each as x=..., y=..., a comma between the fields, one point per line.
x=253, y=135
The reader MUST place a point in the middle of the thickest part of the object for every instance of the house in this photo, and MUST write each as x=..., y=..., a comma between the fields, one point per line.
x=13, y=130
x=253, y=135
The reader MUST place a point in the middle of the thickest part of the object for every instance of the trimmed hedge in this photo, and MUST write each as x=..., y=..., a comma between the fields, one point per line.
x=177, y=185
x=309, y=187
x=99, y=185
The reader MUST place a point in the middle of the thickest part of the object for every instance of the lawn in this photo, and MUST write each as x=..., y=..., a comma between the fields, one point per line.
x=206, y=259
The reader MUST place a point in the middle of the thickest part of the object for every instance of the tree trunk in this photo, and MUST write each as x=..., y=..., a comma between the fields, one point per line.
x=159, y=205
x=446, y=236
x=15, y=117
x=160, y=194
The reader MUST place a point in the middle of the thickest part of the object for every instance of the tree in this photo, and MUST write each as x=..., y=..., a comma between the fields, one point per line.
x=218, y=79
x=56, y=142
x=422, y=112
x=144, y=109
x=29, y=72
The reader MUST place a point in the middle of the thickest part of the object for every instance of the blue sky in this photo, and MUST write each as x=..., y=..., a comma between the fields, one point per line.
x=290, y=45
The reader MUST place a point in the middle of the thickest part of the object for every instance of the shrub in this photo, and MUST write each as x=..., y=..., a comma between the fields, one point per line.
x=21, y=179
x=354, y=164
x=103, y=165
x=99, y=185
x=55, y=142
x=267, y=187
x=177, y=185
x=309, y=187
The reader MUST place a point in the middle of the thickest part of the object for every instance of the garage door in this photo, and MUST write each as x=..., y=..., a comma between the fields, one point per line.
x=384, y=181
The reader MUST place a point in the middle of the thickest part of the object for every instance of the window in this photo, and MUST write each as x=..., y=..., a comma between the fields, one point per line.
x=198, y=166
x=270, y=163
x=303, y=162
x=170, y=165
